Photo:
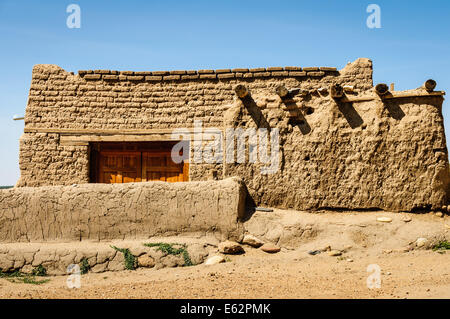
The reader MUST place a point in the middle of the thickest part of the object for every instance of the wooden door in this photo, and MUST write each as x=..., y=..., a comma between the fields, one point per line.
x=158, y=166
x=120, y=167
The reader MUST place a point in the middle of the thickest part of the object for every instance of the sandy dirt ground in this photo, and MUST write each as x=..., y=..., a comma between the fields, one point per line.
x=291, y=273
x=417, y=274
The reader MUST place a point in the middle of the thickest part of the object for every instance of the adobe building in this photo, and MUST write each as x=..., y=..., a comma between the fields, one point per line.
x=343, y=144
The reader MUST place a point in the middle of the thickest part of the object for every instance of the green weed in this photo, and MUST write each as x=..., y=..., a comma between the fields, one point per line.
x=129, y=258
x=84, y=267
x=170, y=250
x=442, y=245
x=19, y=277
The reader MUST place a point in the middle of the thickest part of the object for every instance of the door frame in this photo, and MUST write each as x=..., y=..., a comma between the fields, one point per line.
x=97, y=148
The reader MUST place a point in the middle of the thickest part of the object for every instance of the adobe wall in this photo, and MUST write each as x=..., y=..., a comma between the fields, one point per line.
x=104, y=102
x=366, y=153
x=369, y=154
x=100, y=212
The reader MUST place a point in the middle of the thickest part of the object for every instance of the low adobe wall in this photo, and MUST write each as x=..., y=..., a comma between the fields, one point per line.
x=100, y=212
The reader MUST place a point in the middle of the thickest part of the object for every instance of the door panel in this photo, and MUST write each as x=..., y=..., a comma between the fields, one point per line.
x=158, y=166
x=120, y=167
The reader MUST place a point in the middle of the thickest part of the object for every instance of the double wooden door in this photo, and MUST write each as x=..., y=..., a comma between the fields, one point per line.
x=140, y=166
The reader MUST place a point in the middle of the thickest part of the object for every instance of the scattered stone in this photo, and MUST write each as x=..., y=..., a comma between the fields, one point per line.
x=326, y=248
x=387, y=251
x=252, y=241
x=314, y=252
x=420, y=242
x=349, y=260
x=214, y=260
x=447, y=226
x=230, y=247
x=146, y=261
x=172, y=261
x=198, y=253
x=409, y=248
x=334, y=253
x=406, y=219
x=384, y=219
x=439, y=214
x=270, y=248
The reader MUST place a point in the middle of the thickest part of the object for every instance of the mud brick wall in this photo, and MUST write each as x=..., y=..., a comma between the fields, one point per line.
x=388, y=155
x=365, y=154
x=99, y=212
x=124, y=100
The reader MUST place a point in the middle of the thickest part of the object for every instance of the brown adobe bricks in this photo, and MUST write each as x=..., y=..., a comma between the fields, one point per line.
x=206, y=74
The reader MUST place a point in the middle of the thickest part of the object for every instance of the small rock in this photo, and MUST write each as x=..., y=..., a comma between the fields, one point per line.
x=197, y=253
x=406, y=219
x=420, y=242
x=252, y=241
x=408, y=248
x=439, y=214
x=384, y=219
x=314, y=252
x=349, y=260
x=445, y=208
x=334, y=253
x=171, y=261
x=447, y=226
x=326, y=248
x=270, y=248
x=146, y=261
x=214, y=260
x=230, y=247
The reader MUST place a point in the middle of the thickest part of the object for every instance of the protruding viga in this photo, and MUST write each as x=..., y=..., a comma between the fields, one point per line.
x=282, y=91
x=241, y=91
x=336, y=91
x=430, y=85
x=381, y=89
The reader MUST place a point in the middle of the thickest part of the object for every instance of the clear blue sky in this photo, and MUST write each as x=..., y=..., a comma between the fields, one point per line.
x=411, y=46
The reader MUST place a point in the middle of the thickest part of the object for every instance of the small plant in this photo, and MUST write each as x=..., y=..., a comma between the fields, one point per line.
x=442, y=245
x=130, y=259
x=170, y=250
x=39, y=271
x=84, y=266
x=15, y=273
x=18, y=277
x=33, y=281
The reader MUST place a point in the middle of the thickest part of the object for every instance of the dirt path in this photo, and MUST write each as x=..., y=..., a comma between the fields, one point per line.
x=417, y=274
